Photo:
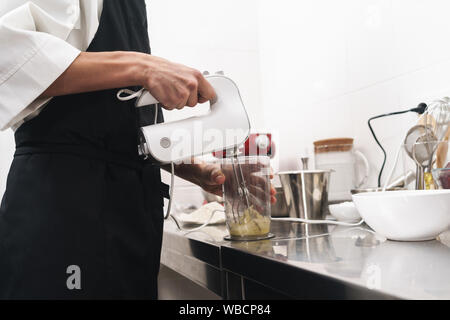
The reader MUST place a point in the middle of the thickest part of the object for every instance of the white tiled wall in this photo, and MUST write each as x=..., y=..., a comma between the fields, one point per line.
x=327, y=66
x=310, y=69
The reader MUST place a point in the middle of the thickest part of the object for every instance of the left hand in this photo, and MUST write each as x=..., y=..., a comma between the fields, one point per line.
x=209, y=177
x=206, y=175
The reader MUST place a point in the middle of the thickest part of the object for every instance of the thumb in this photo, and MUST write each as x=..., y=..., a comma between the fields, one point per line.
x=216, y=177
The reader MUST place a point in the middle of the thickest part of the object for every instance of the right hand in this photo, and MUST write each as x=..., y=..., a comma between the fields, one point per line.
x=175, y=85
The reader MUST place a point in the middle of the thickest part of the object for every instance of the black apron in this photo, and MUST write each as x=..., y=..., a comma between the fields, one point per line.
x=79, y=196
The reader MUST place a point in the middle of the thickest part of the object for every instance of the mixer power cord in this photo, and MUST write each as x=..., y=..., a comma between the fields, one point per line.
x=307, y=221
x=420, y=109
x=338, y=223
x=130, y=94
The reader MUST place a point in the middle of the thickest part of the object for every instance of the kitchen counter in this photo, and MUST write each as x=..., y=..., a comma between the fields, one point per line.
x=310, y=261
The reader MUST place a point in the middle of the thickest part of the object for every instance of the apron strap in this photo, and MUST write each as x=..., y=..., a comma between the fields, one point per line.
x=84, y=151
x=165, y=190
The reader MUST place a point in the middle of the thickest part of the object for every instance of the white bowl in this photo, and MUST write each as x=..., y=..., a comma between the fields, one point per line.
x=409, y=215
x=345, y=211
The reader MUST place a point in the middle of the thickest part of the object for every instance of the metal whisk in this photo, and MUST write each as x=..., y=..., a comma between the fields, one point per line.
x=438, y=117
x=242, y=188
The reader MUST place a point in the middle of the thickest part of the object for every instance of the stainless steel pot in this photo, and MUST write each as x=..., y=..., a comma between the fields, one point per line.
x=306, y=193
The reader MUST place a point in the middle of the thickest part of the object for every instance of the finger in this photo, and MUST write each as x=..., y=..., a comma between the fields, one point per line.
x=174, y=97
x=166, y=107
x=183, y=96
x=260, y=182
x=193, y=97
x=272, y=191
x=205, y=90
x=171, y=105
x=180, y=106
x=193, y=100
x=200, y=99
x=211, y=175
x=216, y=177
x=255, y=168
x=273, y=200
x=259, y=193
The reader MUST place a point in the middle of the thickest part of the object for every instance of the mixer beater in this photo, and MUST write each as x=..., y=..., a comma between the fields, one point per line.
x=241, y=188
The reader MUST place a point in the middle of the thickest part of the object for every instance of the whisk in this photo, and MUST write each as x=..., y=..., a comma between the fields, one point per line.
x=437, y=116
x=242, y=188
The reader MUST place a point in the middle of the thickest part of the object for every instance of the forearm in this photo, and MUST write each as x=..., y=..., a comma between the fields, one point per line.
x=94, y=71
x=172, y=84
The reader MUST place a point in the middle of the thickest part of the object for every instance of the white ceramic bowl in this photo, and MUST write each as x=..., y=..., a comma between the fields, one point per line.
x=345, y=211
x=409, y=215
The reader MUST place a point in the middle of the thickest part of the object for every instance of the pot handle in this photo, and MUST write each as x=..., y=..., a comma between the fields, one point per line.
x=364, y=160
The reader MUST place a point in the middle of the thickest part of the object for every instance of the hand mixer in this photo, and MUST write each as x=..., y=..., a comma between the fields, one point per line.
x=227, y=120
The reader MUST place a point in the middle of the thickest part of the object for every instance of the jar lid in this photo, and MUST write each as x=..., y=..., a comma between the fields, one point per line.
x=333, y=145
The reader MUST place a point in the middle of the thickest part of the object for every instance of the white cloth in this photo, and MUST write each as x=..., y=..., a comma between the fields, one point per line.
x=39, y=40
x=203, y=215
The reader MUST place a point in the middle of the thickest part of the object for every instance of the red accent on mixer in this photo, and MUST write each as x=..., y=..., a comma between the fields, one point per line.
x=257, y=144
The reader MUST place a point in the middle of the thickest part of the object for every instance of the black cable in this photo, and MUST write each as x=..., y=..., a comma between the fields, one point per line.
x=420, y=109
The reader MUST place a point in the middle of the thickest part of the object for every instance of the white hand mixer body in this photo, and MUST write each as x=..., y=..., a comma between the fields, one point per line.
x=224, y=127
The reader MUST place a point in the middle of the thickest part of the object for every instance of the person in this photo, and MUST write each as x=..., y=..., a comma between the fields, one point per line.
x=82, y=215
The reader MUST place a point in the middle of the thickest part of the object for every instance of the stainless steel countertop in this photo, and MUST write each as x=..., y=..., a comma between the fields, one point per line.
x=324, y=261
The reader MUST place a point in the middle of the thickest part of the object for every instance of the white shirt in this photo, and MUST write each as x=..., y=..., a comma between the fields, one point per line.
x=39, y=40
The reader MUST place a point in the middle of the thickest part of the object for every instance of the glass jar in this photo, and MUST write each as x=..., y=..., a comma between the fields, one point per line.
x=247, y=197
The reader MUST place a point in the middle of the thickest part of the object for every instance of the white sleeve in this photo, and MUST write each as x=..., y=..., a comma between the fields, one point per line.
x=33, y=52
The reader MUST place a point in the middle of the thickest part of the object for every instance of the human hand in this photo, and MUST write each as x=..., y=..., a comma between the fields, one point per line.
x=210, y=177
x=175, y=85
